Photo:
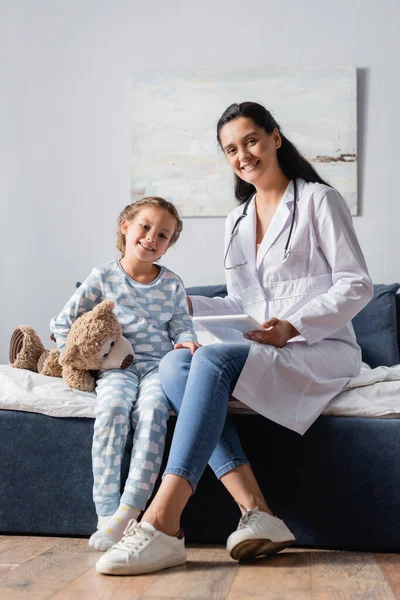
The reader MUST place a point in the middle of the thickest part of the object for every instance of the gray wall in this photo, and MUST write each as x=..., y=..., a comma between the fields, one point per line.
x=65, y=77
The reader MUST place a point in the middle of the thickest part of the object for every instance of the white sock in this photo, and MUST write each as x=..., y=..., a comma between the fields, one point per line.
x=111, y=527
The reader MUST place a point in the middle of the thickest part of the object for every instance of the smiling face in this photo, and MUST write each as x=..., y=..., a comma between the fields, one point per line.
x=148, y=234
x=250, y=150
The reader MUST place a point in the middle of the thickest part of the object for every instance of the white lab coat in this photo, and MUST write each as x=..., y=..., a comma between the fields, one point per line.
x=323, y=284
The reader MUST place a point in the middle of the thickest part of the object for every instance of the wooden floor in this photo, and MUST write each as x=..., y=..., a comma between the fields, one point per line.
x=35, y=568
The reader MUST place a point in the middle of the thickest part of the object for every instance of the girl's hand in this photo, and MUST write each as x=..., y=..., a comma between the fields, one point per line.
x=277, y=333
x=191, y=345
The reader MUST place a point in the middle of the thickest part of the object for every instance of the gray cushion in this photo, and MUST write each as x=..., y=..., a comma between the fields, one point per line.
x=376, y=328
x=210, y=291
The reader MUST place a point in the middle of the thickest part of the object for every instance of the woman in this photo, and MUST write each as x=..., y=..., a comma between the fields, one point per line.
x=293, y=262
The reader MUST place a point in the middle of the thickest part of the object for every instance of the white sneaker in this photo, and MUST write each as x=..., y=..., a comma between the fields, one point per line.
x=258, y=534
x=142, y=549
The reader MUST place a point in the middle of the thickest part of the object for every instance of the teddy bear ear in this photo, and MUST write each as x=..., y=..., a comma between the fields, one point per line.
x=104, y=307
x=68, y=355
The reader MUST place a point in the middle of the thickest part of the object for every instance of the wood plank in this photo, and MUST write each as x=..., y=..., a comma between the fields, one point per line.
x=17, y=550
x=41, y=577
x=8, y=542
x=208, y=573
x=40, y=568
x=285, y=576
x=92, y=585
x=347, y=575
x=390, y=566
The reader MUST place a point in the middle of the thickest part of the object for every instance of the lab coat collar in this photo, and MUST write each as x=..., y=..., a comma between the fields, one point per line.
x=281, y=217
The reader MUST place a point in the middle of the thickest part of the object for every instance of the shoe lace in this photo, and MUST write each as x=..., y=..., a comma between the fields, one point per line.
x=249, y=516
x=134, y=538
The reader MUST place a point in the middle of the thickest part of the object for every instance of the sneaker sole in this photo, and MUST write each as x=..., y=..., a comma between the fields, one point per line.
x=141, y=569
x=254, y=548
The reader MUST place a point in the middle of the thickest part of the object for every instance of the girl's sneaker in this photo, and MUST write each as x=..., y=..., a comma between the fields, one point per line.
x=258, y=534
x=142, y=549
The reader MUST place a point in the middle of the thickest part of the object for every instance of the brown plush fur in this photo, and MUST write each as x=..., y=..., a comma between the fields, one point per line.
x=82, y=349
x=49, y=364
x=25, y=348
x=84, y=342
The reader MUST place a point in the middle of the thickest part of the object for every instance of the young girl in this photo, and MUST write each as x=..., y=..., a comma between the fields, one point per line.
x=151, y=306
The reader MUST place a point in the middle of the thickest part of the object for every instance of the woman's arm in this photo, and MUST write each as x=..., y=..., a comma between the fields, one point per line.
x=351, y=286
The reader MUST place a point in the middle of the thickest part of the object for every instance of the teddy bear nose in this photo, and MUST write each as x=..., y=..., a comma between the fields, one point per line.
x=128, y=360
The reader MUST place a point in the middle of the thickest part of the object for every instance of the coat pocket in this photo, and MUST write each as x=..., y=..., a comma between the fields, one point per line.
x=252, y=295
x=292, y=288
x=285, y=297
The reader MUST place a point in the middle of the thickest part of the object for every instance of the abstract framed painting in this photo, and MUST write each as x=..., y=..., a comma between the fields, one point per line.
x=174, y=115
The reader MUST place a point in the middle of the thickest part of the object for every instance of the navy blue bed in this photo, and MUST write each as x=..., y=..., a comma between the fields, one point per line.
x=337, y=487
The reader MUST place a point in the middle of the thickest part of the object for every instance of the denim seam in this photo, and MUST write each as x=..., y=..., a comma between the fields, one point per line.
x=220, y=373
x=182, y=473
x=233, y=464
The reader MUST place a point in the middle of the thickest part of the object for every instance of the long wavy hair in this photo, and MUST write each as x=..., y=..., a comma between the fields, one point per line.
x=290, y=160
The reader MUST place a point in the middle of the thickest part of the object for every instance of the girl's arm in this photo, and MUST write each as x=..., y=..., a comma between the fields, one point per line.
x=86, y=297
x=180, y=325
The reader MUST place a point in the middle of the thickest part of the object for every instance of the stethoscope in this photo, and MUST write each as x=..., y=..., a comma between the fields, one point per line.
x=235, y=229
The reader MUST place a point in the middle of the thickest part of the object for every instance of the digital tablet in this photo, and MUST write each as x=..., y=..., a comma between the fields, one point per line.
x=242, y=323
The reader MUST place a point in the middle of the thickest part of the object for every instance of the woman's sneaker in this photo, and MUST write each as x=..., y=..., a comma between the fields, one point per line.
x=142, y=549
x=258, y=534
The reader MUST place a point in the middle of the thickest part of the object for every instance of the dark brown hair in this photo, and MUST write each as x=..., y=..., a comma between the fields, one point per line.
x=290, y=160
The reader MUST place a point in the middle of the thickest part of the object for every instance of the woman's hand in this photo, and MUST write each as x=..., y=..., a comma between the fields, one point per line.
x=191, y=345
x=277, y=333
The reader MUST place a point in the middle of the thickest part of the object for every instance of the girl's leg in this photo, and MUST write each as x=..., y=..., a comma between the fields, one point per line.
x=149, y=419
x=116, y=391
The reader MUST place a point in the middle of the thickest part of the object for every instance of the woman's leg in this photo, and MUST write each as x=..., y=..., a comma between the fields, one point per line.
x=210, y=382
x=243, y=487
x=199, y=391
x=198, y=388
x=228, y=460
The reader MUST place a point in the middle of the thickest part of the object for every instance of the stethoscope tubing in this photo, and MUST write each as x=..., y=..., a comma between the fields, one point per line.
x=286, y=252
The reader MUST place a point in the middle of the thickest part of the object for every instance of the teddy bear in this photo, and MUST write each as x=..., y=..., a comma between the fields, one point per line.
x=94, y=342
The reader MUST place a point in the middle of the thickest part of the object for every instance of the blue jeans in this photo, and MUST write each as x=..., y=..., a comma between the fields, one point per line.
x=198, y=389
